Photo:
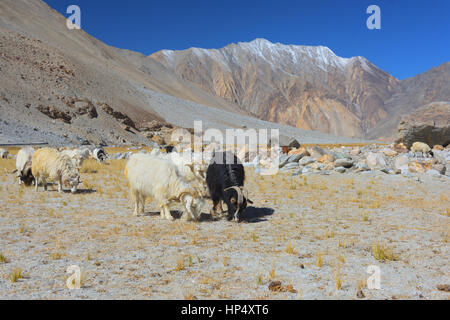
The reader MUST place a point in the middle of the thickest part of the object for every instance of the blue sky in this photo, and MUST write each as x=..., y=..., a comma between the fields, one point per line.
x=414, y=35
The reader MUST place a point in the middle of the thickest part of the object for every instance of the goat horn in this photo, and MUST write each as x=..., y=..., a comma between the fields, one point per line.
x=239, y=192
x=245, y=191
x=181, y=194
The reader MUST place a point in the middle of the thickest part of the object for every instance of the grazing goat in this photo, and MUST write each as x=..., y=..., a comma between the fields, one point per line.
x=225, y=180
x=51, y=165
x=4, y=154
x=193, y=172
x=99, y=154
x=23, y=165
x=421, y=147
x=152, y=176
x=77, y=156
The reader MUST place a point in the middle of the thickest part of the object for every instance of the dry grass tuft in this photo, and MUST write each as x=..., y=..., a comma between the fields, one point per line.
x=290, y=249
x=337, y=276
x=319, y=260
x=180, y=264
x=272, y=274
x=15, y=275
x=383, y=253
x=3, y=258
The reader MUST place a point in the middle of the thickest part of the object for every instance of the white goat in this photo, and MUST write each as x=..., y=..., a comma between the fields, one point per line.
x=192, y=170
x=4, y=154
x=23, y=165
x=420, y=147
x=151, y=176
x=77, y=156
x=50, y=165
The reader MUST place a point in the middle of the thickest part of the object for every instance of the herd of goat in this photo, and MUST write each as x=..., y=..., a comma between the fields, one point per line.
x=164, y=177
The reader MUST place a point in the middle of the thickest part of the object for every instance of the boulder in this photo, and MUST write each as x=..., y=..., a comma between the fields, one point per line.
x=415, y=167
x=85, y=107
x=154, y=125
x=400, y=148
x=306, y=170
x=355, y=151
x=433, y=172
x=389, y=152
x=326, y=158
x=361, y=167
x=439, y=168
x=119, y=116
x=300, y=150
x=295, y=157
x=401, y=163
x=285, y=141
x=291, y=165
x=428, y=164
x=284, y=159
x=428, y=124
x=315, y=166
x=346, y=163
x=341, y=155
x=340, y=169
x=375, y=160
x=316, y=152
x=55, y=113
x=306, y=160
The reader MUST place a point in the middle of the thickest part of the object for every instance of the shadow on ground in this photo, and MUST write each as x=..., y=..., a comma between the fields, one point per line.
x=254, y=214
x=251, y=215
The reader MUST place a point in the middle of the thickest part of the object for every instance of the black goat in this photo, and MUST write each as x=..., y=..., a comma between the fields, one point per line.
x=26, y=175
x=225, y=180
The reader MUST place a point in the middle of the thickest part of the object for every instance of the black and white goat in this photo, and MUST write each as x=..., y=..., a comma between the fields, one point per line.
x=99, y=154
x=225, y=180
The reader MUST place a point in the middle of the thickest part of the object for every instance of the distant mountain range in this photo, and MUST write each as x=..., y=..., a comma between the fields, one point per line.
x=49, y=73
x=308, y=87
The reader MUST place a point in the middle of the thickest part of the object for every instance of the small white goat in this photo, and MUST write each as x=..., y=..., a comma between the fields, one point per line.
x=420, y=147
x=4, y=154
x=23, y=165
x=50, y=165
x=151, y=176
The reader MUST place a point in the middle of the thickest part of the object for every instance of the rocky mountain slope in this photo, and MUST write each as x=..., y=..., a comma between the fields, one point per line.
x=429, y=124
x=305, y=87
x=45, y=69
x=412, y=94
x=65, y=86
x=308, y=87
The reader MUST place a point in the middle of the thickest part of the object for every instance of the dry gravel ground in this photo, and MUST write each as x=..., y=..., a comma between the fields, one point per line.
x=313, y=232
